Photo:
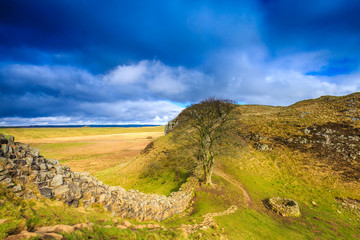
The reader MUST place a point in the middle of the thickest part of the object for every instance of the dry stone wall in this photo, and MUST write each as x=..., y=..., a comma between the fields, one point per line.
x=25, y=171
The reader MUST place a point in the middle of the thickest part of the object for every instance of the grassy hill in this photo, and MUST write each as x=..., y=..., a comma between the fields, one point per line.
x=308, y=152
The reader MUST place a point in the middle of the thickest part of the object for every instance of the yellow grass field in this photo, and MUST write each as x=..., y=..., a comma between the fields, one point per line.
x=88, y=149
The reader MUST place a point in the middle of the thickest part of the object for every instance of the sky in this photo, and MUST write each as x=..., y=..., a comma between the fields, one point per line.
x=124, y=62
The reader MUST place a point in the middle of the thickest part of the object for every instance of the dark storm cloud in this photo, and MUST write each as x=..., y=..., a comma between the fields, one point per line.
x=32, y=90
x=291, y=26
x=111, y=33
x=129, y=93
x=136, y=61
x=99, y=36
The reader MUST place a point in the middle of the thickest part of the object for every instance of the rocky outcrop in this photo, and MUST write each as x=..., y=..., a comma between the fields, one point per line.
x=350, y=204
x=337, y=144
x=283, y=206
x=21, y=166
x=170, y=126
x=262, y=146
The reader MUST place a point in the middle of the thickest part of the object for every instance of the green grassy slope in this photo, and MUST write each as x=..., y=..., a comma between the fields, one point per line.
x=161, y=168
x=287, y=172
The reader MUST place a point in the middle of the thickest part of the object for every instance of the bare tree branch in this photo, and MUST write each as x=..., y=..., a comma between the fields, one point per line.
x=208, y=125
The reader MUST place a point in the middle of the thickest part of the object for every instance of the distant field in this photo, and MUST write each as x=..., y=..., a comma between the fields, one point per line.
x=91, y=150
x=26, y=134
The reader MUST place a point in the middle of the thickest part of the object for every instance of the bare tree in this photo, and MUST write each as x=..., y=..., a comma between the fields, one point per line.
x=209, y=125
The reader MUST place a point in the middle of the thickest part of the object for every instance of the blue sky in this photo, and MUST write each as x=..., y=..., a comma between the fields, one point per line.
x=118, y=62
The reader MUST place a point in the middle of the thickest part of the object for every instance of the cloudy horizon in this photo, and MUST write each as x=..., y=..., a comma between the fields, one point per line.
x=85, y=63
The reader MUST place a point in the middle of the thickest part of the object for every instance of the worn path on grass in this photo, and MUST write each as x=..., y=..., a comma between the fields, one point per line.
x=247, y=199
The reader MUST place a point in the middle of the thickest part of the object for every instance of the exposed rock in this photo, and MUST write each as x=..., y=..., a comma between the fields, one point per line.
x=350, y=203
x=17, y=188
x=307, y=131
x=56, y=229
x=283, y=206
x=170, y=126
x=139, y=227
x=262, y=146
x=43, y=166
x=34, y=152
x=53, y=161
x=4, y=148
x=40, y=235
x=28, y=194
x=207, y=223
x=35, y=167
x=51, y=236
x=46, y=192
x=126, y=224
x=336, y=144
x=58, y=169
x=83, y=226
x=257, y=137
x=10, y=138
x=7, y=182
x=22, y=235
x=57, y=181
x=61, y=191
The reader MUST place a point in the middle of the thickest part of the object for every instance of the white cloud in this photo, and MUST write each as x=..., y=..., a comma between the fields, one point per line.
x=121, y=112
x=150, y=91
x=127, y=74
x=154, y=79
x=167, y=81
x=252, y=77
x=133, y=110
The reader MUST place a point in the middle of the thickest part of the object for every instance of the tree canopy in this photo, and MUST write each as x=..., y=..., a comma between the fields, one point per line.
x=209, y=124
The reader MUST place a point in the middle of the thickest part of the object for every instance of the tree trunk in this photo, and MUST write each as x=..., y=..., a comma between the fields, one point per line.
x=208, y=170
